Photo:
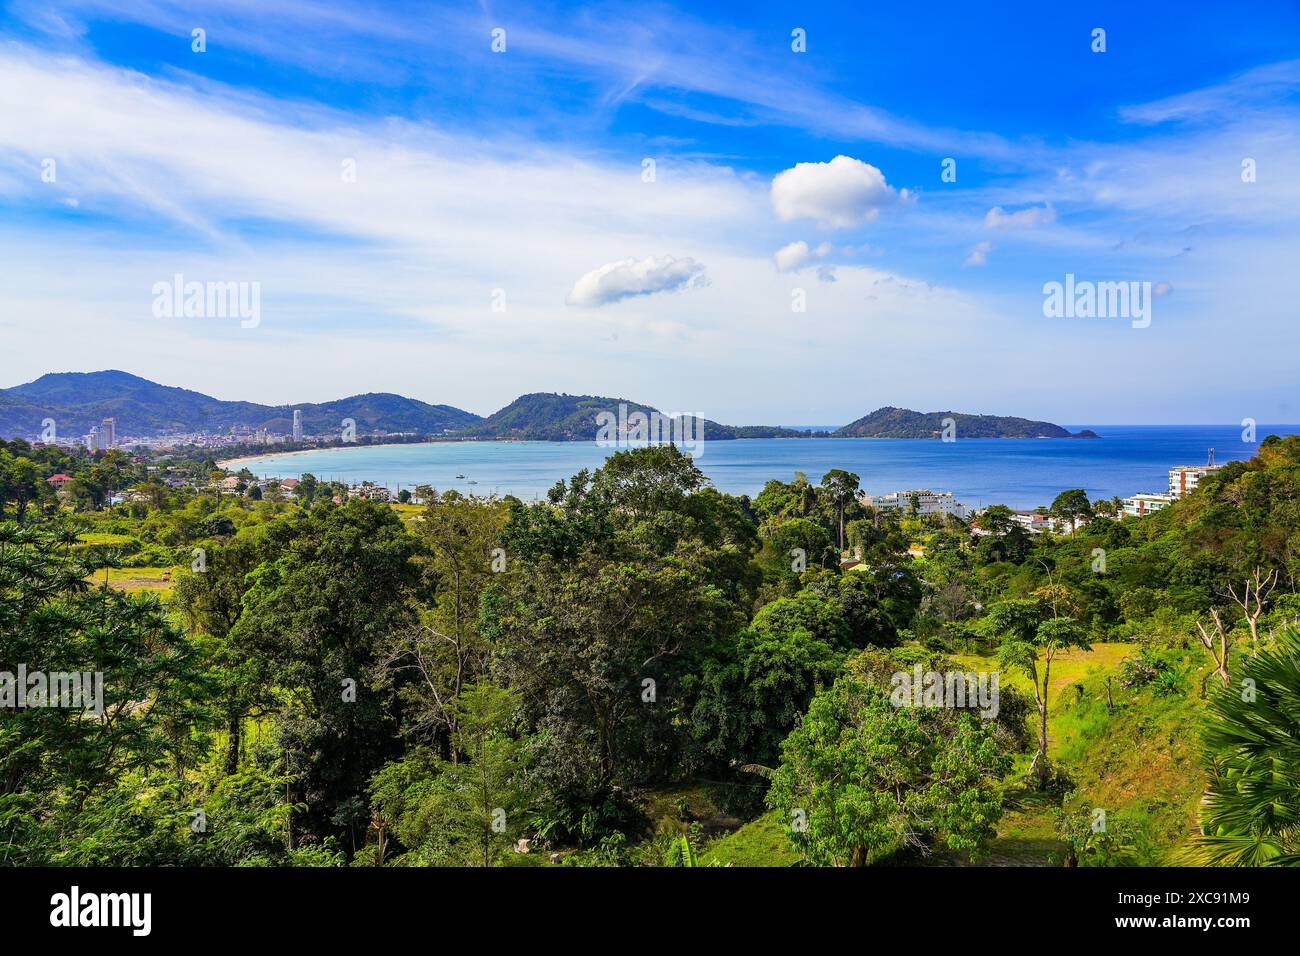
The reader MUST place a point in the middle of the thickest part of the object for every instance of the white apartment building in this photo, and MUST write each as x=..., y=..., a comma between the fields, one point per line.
x=297, y=424
x=927, y=502
x=1147, y=503
x=1183, y=479
x=1032, y=521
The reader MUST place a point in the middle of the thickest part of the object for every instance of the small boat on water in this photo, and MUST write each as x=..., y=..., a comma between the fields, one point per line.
x=460, y=476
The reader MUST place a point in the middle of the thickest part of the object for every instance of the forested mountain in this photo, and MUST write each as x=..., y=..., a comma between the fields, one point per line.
x=890, y=422
x=551, y=416
x=77, y=401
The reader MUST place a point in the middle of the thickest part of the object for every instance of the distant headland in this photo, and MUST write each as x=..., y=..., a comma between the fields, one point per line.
x=79, y=402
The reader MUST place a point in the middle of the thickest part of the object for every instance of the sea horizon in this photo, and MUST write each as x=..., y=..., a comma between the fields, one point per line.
x=1019, y=472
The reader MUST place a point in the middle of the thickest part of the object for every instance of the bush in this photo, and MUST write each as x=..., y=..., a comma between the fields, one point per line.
x=1170, y=683
x=1145, y=667
x=590, y=818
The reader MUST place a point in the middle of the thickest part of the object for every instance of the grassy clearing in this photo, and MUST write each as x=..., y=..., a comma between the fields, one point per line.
x=691, y=801
x=104, y=538
x=761, y=842
x=1139, y=759
x=1131, y=753
x=1067, y=668
x=135, y=579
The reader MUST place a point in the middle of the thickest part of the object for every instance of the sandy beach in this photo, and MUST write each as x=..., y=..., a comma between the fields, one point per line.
x=235, y=463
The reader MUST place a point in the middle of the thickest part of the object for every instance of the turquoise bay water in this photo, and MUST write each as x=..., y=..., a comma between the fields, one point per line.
x=1022, y=473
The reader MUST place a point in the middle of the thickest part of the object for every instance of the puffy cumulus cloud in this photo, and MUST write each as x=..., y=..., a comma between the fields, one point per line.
x=838, y=194
x=999, y=218
x=632, y=277
x=979, y=255
x=796, y=255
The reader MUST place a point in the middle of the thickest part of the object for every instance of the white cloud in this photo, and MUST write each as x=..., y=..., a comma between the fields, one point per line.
x=370, y=284
x=844, y=192
x=795, y=255
x=632, y=277
x=979, y=255
x=999, y=218
x=792, y=257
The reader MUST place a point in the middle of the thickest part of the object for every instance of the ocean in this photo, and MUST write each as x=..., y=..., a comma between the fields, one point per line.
x=1021, y=473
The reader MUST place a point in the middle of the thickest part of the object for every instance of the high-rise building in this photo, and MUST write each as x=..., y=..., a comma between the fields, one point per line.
x=297, y=424
x=108, y=433
x=1184, y=478
x=92, y=440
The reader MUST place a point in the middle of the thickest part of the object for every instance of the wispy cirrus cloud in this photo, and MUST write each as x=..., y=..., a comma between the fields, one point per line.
x=979, y=255
x=1259, y=87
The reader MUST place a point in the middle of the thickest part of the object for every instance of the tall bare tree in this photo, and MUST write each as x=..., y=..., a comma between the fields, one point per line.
x=1252, y=598
x=1220, y=653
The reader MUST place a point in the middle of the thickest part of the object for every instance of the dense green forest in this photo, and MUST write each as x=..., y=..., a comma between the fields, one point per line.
x=890, y=422
x=640, y=670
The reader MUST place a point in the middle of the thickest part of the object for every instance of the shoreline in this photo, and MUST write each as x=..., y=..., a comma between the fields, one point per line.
x=1023, y=473
x=227, y=462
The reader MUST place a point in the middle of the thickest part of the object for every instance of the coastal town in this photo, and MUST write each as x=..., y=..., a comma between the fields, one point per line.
x=105, y=435
x=157, y=454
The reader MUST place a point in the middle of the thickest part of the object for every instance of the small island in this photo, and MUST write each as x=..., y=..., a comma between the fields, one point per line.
x=890, y=422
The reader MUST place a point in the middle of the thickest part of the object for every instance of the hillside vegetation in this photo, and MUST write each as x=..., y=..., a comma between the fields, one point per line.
x=77, y=401
x=890, y=422
x=640, y=670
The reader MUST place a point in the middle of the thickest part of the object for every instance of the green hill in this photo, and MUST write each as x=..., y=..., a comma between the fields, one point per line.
x=891, y=422
x=77, y=401
x=551, y=416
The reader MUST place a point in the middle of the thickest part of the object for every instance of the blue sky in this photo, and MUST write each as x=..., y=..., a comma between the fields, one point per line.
x=516, y=178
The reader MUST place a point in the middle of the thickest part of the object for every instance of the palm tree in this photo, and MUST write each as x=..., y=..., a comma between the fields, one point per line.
x=839, y=487
x=1251, y=747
